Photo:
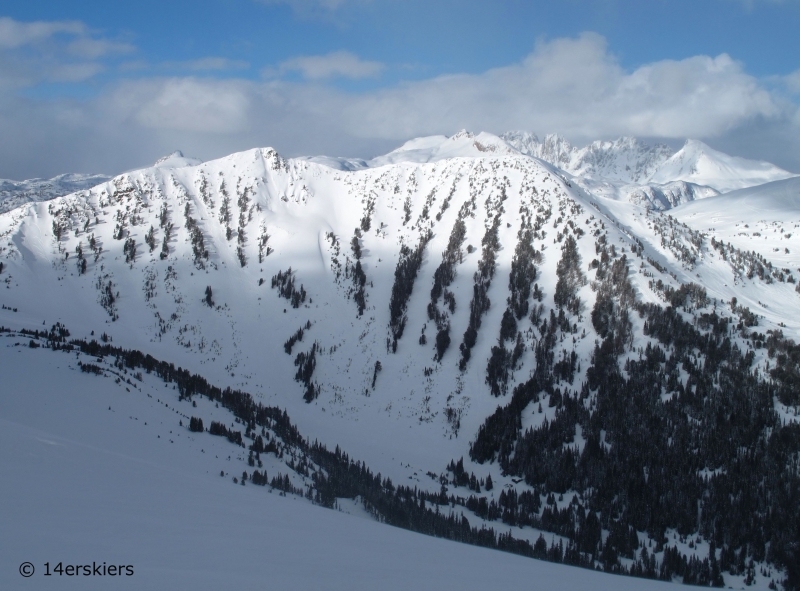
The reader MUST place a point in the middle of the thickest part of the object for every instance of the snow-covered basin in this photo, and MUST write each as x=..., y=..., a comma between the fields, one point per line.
x=92, y=472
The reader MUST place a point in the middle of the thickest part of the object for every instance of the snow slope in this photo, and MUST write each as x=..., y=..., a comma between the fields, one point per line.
x=86, y=478
x=764, y=219
x=659, y=197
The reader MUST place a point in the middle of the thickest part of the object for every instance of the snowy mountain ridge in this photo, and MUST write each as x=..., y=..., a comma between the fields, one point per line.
x=625, y=169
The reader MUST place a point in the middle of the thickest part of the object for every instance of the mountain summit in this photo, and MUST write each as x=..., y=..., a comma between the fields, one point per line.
x=697, y=163
x=176, y=160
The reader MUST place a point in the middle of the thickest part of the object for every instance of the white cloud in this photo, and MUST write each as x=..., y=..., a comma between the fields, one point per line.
x=77, y=72
x=59, y=51
x=337, y=64
x=575, y=87
x=792, y=82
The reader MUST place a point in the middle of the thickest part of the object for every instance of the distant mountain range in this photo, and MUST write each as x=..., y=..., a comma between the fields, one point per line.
x=16, y=193
x=625, y=169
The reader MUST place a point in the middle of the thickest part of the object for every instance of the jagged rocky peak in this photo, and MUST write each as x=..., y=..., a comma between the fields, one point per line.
x=625, y=159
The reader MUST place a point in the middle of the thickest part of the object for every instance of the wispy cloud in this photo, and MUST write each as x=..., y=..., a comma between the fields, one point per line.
x=205, y=64
x=311, y=5
x=185, y=104
x=77, y=72
x=215, y=63
x=91, y=49
x=333, y=12
x=792, y=82
x=337, y=64
x=15, y=34
x=54, y=51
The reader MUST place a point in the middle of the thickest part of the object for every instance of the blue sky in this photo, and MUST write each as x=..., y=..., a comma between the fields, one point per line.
x=103, y=86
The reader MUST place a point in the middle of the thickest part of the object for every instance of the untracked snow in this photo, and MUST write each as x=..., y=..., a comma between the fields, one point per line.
x=93, y=472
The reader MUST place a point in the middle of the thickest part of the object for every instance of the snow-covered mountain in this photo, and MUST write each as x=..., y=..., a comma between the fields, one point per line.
x=463, y=144
x=465, y=319
x=626, y=169
x=16, y=193
x=702, y=165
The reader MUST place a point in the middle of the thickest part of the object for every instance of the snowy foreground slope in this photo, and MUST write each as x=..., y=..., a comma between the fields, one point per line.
x=456, y=315
x=92, y=472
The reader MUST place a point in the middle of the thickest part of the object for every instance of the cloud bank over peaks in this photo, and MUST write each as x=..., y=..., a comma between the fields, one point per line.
x=572, y=86
x=576, y=87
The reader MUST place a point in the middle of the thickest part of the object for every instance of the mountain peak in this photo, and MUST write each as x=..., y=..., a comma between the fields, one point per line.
x=699, y=163
x=176, y=160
